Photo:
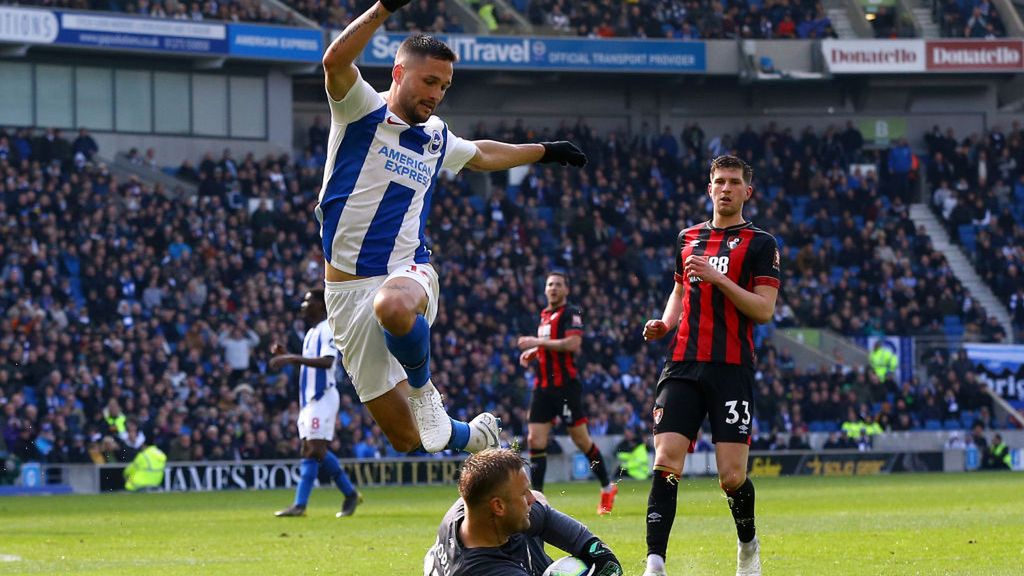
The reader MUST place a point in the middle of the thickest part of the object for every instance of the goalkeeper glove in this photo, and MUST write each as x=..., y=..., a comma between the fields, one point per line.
x=393, y=5
x=596, y=554
x=564, y=153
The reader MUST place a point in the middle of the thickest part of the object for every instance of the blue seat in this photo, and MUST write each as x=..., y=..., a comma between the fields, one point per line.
x=967, y=418
x=836, y=273
x=30, y=395
x=968, y=235
x=546, y=214
x=477, y=203
x=625, y=362
x=817, y=426
x=1018, y=193
x=951, y=424
x=932, y=424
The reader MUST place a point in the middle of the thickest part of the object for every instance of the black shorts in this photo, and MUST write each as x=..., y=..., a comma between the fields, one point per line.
x=565, y=402
x=689, y=391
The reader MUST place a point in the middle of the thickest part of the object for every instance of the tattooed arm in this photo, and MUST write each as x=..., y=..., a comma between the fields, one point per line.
x=340, y=71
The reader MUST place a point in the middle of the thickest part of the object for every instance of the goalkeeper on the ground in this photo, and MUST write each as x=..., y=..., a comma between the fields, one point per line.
x=499, y=526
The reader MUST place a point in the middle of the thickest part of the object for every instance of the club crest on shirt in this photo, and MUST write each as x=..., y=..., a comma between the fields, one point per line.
x=658, y=413
x=435, y=142
x=734, y=242
x=776, y=263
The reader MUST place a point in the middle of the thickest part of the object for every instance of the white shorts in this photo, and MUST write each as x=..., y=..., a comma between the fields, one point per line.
x=359, y=336
x=316, y=420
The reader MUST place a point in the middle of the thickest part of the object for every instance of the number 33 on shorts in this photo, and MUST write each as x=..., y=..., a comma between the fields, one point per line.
x=734, y=416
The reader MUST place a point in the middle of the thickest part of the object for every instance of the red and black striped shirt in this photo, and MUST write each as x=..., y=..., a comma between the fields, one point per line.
x=557, y=368
x=711, y=328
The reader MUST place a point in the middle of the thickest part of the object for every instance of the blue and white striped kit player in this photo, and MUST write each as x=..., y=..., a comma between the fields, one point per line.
x=318, y=394
x=380, y=175
x=378, y=182
x=385, y=153
x=319, y=404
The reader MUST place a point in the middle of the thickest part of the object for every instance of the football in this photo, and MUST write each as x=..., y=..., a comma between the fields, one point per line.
x=568, y=566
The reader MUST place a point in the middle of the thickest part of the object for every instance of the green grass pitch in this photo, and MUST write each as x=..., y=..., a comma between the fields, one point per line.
x=899, y=524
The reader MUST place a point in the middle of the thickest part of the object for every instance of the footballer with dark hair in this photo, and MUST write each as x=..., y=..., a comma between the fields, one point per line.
x=557, y=391
x=726, y=280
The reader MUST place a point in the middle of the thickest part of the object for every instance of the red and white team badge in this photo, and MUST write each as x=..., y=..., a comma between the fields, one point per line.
x=734, y=242
x=658, y=413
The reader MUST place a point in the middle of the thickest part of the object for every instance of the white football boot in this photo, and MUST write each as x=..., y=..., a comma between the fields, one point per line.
x=655, y=566
x=432, y=422
x=748, y=558
x=483, y=432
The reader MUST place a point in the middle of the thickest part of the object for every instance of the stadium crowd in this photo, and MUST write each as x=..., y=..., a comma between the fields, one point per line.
x=133, y=316
x=230, y=11
x=673, y=19
x=709, y=19
x=977, y=187
x=969, y=19
x=418, y=16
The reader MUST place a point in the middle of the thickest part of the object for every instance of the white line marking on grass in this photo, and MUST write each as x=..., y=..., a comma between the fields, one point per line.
x=9, y=558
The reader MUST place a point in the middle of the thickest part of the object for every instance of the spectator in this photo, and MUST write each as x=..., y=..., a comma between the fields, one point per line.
x=85, y=145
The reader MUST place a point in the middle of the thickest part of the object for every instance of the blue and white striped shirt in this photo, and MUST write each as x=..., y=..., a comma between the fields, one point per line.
x=313, y=382
x=378, y=181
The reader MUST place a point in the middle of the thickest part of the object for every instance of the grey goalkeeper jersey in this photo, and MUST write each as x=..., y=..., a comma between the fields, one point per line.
x=522, y=555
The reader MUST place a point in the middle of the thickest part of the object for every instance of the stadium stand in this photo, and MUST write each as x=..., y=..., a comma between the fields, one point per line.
x=683, y=20
x=420, y=16
x=232, y=10
x=978, y=189
x=970, y=19
x=121, y=300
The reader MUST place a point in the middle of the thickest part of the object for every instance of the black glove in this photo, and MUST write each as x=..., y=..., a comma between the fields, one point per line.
x=393, y=5
x=596, y=554
x=564, y=153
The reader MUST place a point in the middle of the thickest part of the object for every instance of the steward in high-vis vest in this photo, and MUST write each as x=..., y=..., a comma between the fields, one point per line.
x=883, y=361
x=633, y=456
x=147, y=470
x=998, y=457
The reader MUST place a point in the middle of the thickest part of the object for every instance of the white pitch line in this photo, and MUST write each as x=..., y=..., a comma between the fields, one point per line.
x=9, y=558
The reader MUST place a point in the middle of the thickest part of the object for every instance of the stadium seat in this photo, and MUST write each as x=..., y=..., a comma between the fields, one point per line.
x=30, y=395
x=951, y=424
x=836, y=273
x=546, y=214
x=477, y=203
x=625, y=362
x=932, y=424
x=968, y=236
x=967, y=417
